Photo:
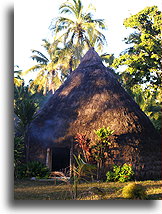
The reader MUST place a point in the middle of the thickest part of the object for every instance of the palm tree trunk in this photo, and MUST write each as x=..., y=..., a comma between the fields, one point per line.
x=71, y=64
x=71, y=161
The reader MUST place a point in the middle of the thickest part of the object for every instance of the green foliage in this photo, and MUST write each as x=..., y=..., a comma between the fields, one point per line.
x=120, y=173
x=18, y=149
x=78, y=29
x=108, y=59
x=83, y=170
x=141, y=62
x=19, y=154
x=110, y=176
x=142, y=59
x=149, y=100
x=18, y=81
x=20, y=171
x=98, y=151
x=25, y=106
x=37, y=169
x=47, y=68
x=74, y=32
x=32, y=169
x=103, y=134
x=157, y=122
x=134, y=191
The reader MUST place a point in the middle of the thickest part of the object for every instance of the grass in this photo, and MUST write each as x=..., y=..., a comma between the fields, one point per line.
x=47, y=190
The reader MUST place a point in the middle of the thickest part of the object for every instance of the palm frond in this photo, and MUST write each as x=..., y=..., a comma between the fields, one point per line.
x=18, y=82
x=33, y=68
x=40, y=54
x=88, y=17
x=62, y=23
x=100, y=23
x=39, y=59
x=79, y=8
x=67, y=7
x=46, y=44
x=108, y=58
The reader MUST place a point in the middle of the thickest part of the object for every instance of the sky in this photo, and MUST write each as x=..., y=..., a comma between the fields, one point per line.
x=32, y=19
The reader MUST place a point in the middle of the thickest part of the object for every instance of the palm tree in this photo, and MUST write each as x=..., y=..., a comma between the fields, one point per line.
x=73, y=36
x=18, y=81
x=48, y=68
x=79, y=30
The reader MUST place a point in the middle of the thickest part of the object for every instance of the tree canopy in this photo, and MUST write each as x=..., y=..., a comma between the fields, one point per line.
x=141, y=75
x=78, y=28
x=74, y=32
x=142, y=58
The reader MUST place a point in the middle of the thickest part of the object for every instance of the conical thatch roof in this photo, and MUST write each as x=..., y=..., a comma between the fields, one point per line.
x=91, y=98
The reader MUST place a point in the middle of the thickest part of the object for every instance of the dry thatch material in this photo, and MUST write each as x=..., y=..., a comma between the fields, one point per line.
x=91, y=98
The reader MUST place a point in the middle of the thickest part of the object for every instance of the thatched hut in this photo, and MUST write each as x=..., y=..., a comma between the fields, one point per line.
x=89, y=99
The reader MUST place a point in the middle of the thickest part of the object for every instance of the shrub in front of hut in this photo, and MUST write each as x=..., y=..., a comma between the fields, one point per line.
x=19, y=155
x=33, y=169
x=37, y=169
x=97, y=151
x=134, y=191
x=120, y=173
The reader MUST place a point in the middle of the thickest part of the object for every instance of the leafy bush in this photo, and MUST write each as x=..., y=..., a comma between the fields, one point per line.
x=19, y=155
x=110, y=176
x=103, y=134
x=18, y=150
x=37, y=169
x=20, y=171
x=83, y=170
x=120, y=173
x=134, y=191
x=96, y=152
x=33, y=169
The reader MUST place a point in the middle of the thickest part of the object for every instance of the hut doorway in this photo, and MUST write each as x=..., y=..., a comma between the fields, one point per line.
x=60, y=158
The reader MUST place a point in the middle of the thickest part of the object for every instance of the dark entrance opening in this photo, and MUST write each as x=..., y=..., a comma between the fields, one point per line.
x=60, y=158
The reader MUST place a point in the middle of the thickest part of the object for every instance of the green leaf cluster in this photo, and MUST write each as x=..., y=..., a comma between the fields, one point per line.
x=142, y=60
x=82, y=169
x=33, y=169
x=103, y=134
x=78, y=27
x=19, y=154
x=122, y=173
x=25, y=106
x=149, y=100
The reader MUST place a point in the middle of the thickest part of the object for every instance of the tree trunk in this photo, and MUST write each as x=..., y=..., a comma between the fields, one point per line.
x=71, y=161
x=71, y=64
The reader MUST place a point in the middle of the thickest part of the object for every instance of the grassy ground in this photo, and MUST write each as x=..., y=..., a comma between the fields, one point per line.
x=41, y=190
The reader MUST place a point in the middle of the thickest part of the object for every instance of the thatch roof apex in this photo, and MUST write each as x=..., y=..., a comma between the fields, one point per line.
x=90, y=58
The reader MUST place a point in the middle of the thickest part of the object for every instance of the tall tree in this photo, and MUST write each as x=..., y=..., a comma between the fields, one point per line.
x=78, y=28
x=141, y=75
x=142, y=58
x=47, y=68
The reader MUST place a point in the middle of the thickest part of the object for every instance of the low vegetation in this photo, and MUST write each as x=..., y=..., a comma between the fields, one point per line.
x=43, y=190
x=121, y=173
x=134, y=191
